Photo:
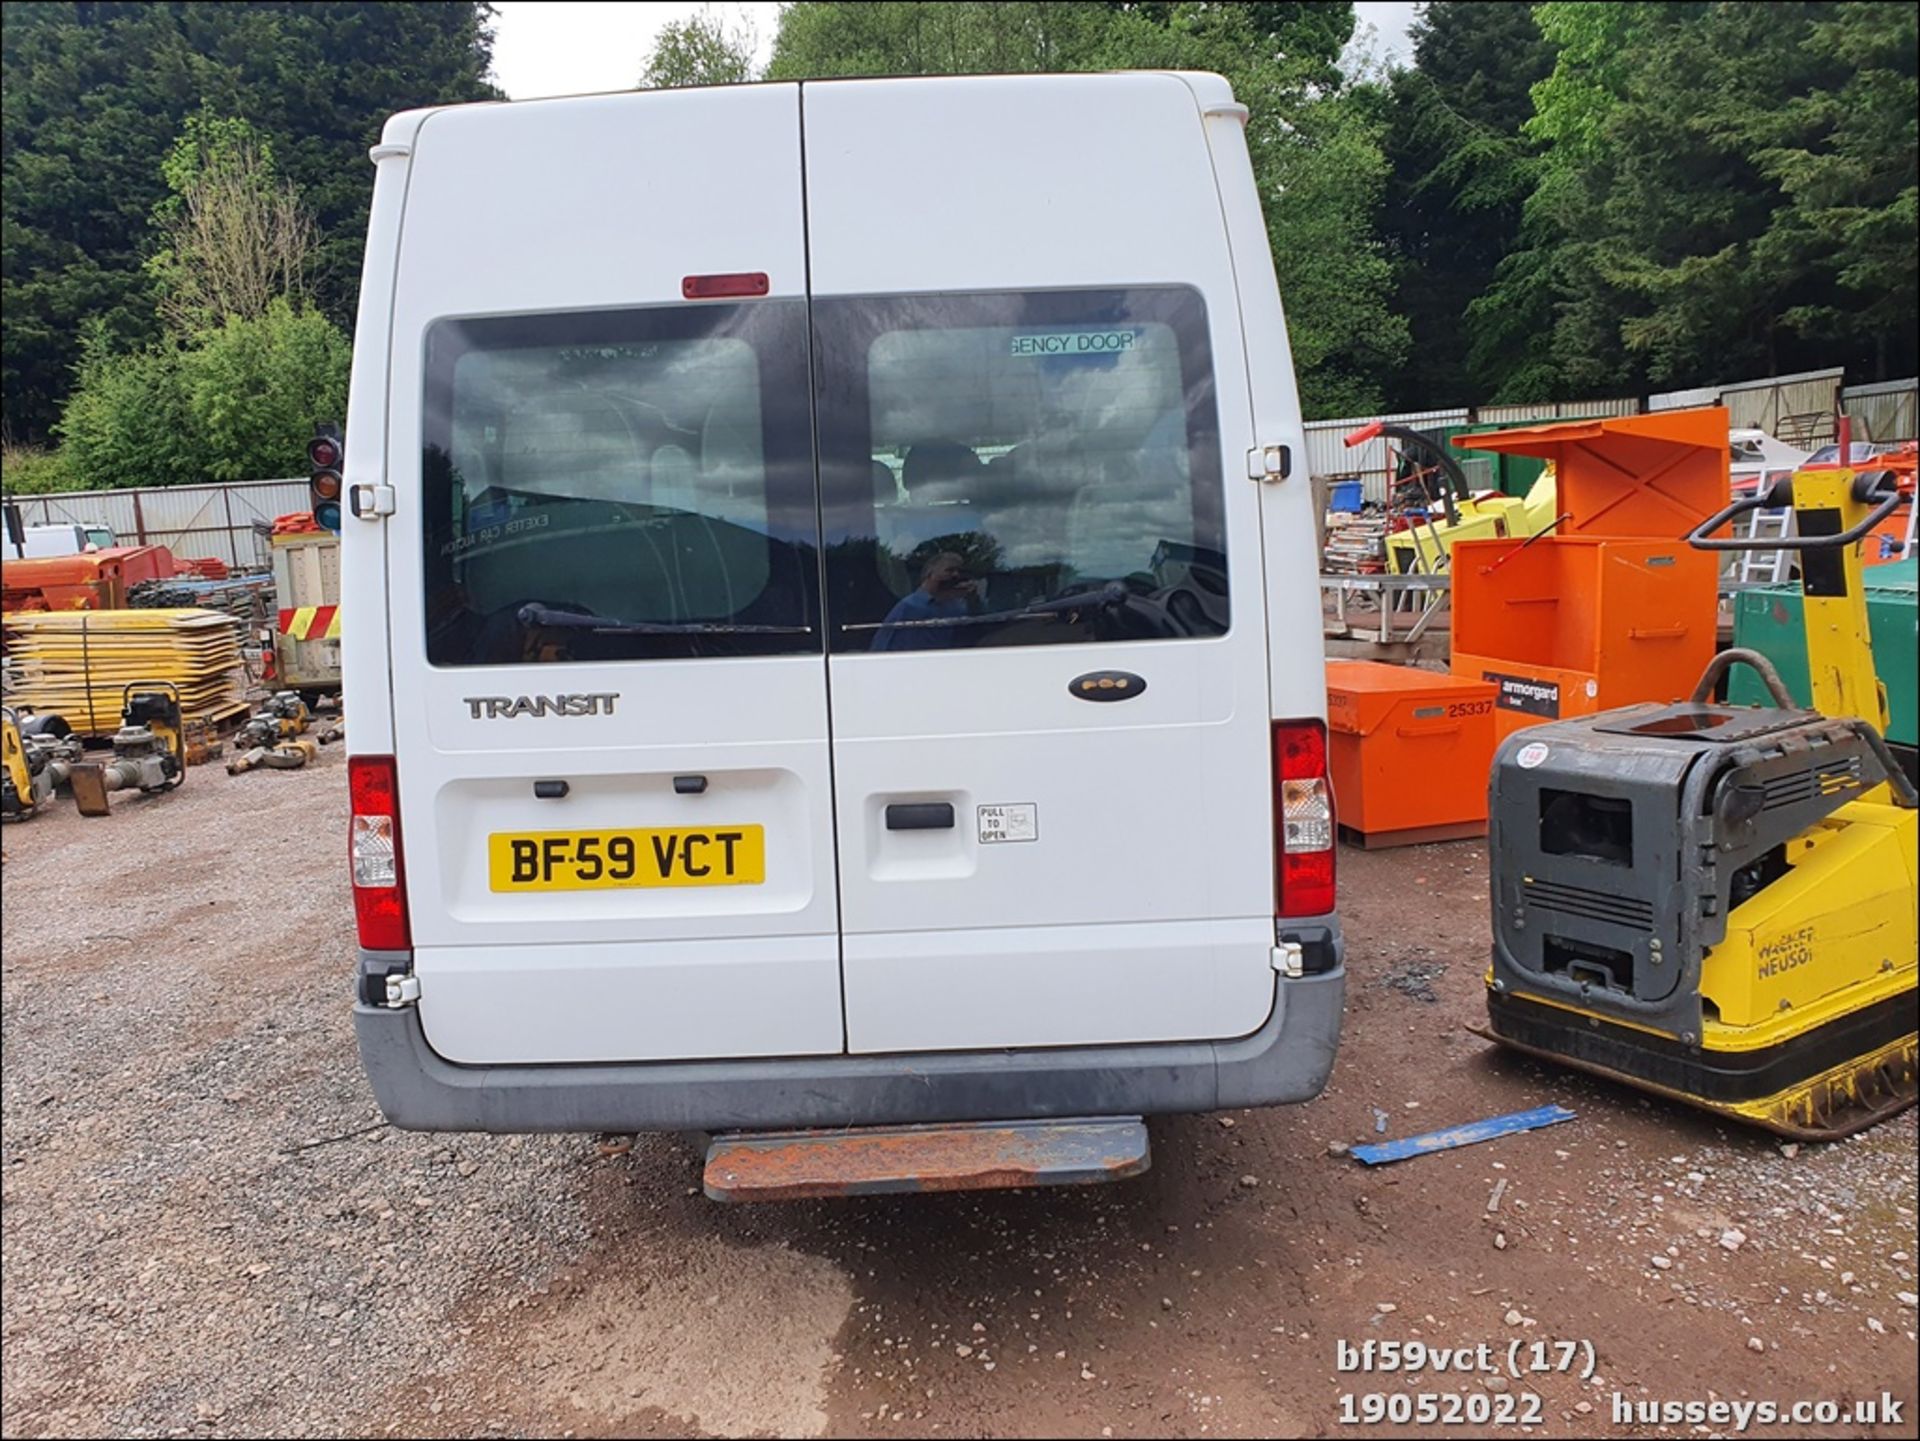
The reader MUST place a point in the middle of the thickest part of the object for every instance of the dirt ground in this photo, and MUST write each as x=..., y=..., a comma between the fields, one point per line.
x=206, y=1233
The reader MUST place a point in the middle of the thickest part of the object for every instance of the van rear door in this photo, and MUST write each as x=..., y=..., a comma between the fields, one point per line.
x=610, y=706
x=1048, y=625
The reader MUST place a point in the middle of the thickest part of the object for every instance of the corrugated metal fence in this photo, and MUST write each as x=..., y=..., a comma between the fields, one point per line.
x=1799, y=409
x=190, y=520
x=1889, y=410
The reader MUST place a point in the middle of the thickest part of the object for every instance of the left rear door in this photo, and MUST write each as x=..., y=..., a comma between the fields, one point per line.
x=610, y=695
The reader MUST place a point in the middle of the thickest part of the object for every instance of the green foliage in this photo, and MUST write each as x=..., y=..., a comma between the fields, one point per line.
x=700, y=50
x=935, y=37
x=1315, y=146
x=255, y=388
x=239, y=405
x=30, y=470
x=1459, y=172
x=234, y=235
x=128, y=422
x=92, y=98
x=1724, y=189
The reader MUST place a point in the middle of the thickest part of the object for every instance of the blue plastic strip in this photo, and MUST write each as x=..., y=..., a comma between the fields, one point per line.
x=1466, y=1135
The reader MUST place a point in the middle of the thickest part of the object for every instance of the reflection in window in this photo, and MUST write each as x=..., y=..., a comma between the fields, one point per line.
x=1038, y=468
x=611, y=486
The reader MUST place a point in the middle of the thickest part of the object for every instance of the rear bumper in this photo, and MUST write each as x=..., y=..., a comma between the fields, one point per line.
x=1287, y=1059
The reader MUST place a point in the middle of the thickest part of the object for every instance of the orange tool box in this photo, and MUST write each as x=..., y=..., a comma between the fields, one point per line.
x=1576, y=626
x=1410, y=752
x=1611, y=606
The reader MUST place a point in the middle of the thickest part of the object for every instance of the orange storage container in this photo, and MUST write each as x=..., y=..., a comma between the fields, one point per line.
x=1578, y=625
x=1410, y=752
x=1613, y=606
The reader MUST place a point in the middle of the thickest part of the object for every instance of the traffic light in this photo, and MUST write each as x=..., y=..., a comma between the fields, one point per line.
x=325, y=452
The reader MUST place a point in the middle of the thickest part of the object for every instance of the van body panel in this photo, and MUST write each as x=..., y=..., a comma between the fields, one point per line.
x=1186, y=971
x=1286, y=1060
x=528, y=232
x=1295, y=660
x=657, y=1000
x=366, y=671
x=671, y=568
x=1151, y=818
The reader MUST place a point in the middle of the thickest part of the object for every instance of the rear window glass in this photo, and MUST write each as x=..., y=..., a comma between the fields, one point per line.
x=1020, y=469
x=618, y=486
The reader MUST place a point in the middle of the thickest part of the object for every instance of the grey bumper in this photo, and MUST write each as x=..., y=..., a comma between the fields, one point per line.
x=1287, y=1059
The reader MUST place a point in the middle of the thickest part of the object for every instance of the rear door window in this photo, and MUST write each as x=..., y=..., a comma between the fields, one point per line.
x=1020, y=469
x=621, y=485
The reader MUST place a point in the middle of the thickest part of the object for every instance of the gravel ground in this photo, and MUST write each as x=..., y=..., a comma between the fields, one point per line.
x=207, y=1233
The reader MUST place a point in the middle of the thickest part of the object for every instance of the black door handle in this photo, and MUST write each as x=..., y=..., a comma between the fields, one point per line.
x=933, y=816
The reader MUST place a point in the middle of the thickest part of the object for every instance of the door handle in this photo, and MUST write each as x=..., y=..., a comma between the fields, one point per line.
x=932, y=816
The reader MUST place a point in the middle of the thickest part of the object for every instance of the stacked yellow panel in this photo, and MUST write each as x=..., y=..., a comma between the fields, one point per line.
x=78, y=664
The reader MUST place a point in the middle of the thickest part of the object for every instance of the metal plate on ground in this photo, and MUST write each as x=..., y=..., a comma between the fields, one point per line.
x=877, y=1160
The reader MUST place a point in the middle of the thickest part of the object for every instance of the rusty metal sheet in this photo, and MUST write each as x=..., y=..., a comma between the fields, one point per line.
x=876, y=1160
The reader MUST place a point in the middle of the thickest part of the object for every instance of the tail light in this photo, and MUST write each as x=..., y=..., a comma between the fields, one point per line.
x=373, y=850
x=1303, y=820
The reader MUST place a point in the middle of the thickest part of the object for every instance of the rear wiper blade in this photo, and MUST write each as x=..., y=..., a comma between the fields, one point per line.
x=542, y=615
x=1108, y=596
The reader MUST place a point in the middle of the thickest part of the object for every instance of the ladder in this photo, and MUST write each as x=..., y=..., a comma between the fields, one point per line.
x=1766, y=567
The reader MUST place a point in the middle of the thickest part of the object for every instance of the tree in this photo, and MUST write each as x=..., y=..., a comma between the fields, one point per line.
x=256, y=386
x=239, y=404
x=1545, y=327
x=92, y=97
x=704, y=49
x=946, y=37
x=236, y=237
x=1723, y=190
x=1459, y=172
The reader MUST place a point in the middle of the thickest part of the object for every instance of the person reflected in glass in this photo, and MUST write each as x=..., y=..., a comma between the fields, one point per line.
x=944, y=591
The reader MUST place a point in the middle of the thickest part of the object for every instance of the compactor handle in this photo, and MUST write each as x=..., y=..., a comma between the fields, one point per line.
x=1740, y=655
x=1879, y=485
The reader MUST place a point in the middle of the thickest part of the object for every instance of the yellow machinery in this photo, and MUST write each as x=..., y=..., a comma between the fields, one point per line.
x=36, y=755
x=273, y=737
x=1427, y=546
x=149, y=749
x=1714, y=902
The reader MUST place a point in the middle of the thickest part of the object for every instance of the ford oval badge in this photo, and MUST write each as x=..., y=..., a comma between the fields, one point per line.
x=1106, y=685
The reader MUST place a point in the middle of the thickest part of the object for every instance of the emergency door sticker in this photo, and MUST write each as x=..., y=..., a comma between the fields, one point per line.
x=999, y=824
x=1532, y=754
x=1521, y=693
x=1073, y=342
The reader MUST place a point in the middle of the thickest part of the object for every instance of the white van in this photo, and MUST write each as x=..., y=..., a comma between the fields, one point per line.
x=851, y=646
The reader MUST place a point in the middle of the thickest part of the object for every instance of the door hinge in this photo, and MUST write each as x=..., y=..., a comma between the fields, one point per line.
x=1289, y=959
x=1269, y=462
x=402, y=990
x=370, y=502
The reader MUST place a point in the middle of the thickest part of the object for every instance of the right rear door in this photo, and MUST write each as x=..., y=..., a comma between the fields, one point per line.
x=1048, y=671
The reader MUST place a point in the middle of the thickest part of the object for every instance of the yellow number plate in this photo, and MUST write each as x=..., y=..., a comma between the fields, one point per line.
x=598, y=860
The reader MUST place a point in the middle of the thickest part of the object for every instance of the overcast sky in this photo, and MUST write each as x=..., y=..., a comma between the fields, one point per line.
x=573, y=47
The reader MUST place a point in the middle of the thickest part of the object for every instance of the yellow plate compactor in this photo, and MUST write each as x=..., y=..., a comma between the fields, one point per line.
x=1714, y=902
